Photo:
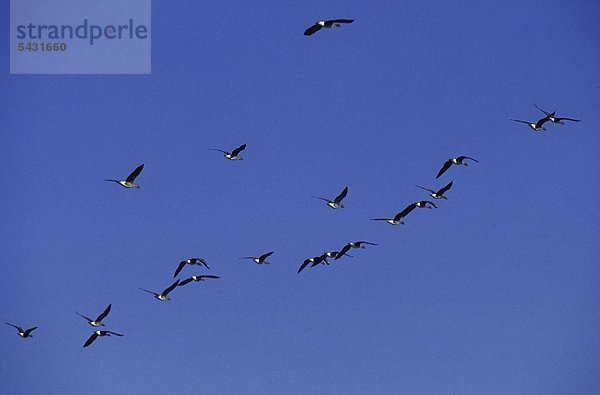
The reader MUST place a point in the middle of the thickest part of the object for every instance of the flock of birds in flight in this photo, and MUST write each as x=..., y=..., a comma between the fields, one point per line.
x=336, y=203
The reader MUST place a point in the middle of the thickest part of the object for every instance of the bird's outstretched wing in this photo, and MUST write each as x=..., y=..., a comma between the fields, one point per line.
x=312, y=30
x=379, y=219
x=339, y=21
x=304, y=264
x=83, y=316
x=28, y=331
x=444, y=189
x=104, y=313
x=186, y=281
x=179, y=268
x=15, y=326
x=135, y=173
x=342, y=252
x=367, y=243
x=518, y=120
x=545, y=112
x=150, y=292
x=540, y=122
x=427, y=189
x=318, y=197
x=219, y=150
x=208, y=276
x=202, y=261
x=567, y=119
x=405, y=212
x=265, y=256
x=90, y=340
x=171, y=287
x=427, y=201
x=239, y=149
x=463, y=157
x=446, y=166
x=341, y=196
x=114, y=333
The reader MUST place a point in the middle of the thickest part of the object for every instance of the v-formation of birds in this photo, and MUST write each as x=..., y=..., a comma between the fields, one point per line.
x=336, y=203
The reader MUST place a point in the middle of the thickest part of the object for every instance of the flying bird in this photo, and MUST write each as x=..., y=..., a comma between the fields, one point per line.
x=326, y=24
x=397, y=220
x=98, y=321
x=164, y=295
x=261, y=259
x=355, y=244
x=337, y=202
x=438, y=194
x=553, y=119
x=425, y=204
x=455, y=161
x=23, y=333
x=233, y=155
x=129, y=181
x=97, y=334
x=535, y=126
x=315, y=261
x=191, y=261
x=333, y=254
x=196, y=278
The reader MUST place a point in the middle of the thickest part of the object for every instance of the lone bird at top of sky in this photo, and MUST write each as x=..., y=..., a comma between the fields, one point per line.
x=191, y=261
x=326, y=24
x=129, y=181
x=196, y=278
x=353, y=244
x=337, y=202
x=552, y=118
x=460, y=160
x=233, y=155
x=23, y=333
x=164, y=294
x=97, y=334
x=397, y=220
x=439, y=194
x=261, y=260
x=98, y=321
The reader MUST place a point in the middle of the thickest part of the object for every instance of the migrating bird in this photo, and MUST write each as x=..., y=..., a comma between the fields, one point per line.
x=337, y=202
x=553, y=119
x=191, y=261
x=437, y=194
x=455, y=161
x=261, y=259
x=23, y=333
x=425, y=204
x=397, y=220
x=233, y=155
x=98, y=321
x=97, y=334
x=333, y=254
x=129, y=181
x=196, y=278
x=355, y=244
x=165, y=293
x=535, y=126
x=326, y=24
x=315, y=261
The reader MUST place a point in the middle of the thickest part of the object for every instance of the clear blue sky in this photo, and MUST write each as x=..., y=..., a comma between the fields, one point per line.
x=497, y=291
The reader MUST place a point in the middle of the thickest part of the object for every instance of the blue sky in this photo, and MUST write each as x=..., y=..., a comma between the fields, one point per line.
x=494, y=292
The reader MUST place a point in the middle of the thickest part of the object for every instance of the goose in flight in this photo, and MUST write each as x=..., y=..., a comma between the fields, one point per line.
x=333, y=254
x=337, y=202
x=23, y=333
x=326, y=24
x=455, y=161
x=438, y=194
x=191, y=261
x=97, y=334
x=397, y=220
x=196, y=278
x=535, y=126
x=98, y=321
x=164, y=295
x=355, y=244
x=233, y=155
x=425, y=204
x=129, y=181
x=553, y=119
x=261, y=259
x=315, y=261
